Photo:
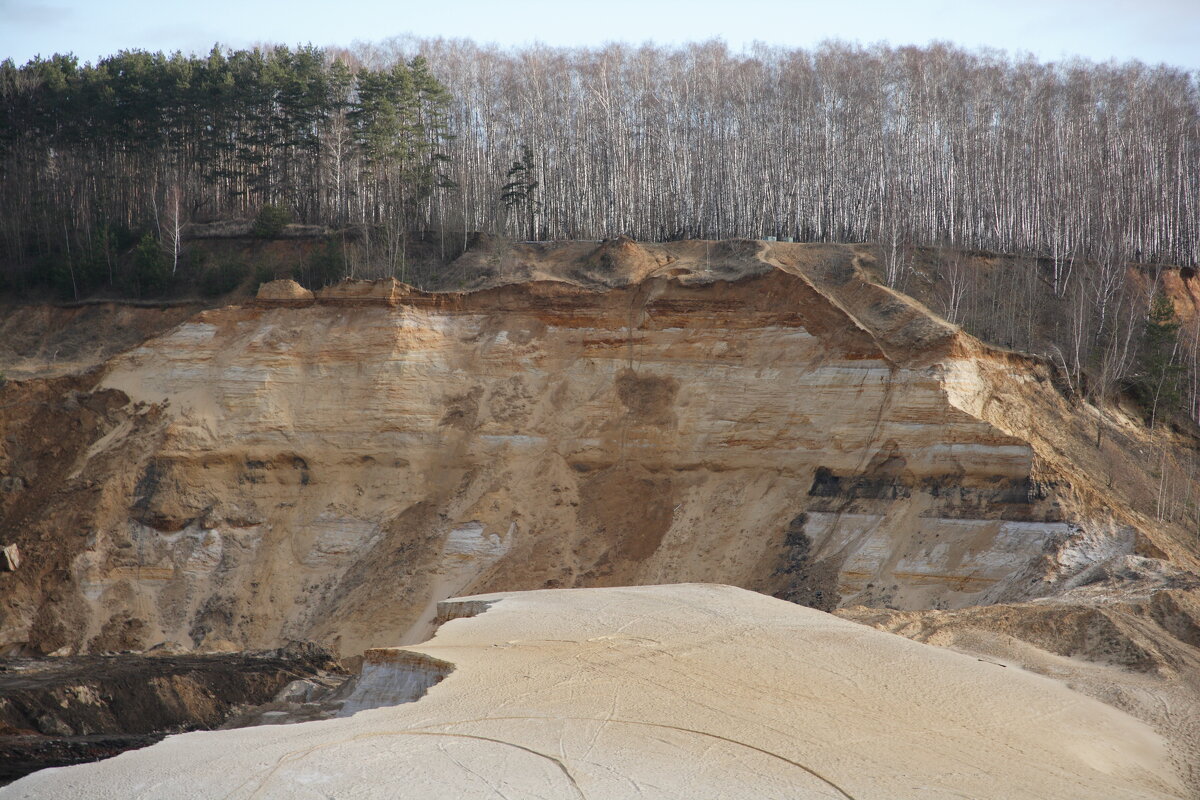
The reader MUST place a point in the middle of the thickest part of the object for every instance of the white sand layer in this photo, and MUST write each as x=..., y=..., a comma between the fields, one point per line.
x=684, y=691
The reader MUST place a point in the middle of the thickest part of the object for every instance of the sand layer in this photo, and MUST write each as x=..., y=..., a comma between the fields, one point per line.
x=761, y=415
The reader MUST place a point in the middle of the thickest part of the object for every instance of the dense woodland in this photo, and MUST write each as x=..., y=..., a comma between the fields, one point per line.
x=1076, y=168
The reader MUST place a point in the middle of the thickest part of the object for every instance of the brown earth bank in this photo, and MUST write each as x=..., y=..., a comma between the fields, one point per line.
x=593, y=414
x=70, y=710
x=328, y=466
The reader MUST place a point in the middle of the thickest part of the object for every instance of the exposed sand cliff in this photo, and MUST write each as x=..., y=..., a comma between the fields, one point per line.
x=330, y=466
x=763, y=415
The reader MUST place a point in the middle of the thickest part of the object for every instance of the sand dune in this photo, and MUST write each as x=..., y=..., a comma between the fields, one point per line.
x=683, y=691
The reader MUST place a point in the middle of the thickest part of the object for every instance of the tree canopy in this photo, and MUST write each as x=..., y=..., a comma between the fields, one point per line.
x=86, y=148
x=922, y=145
x=1076, y=168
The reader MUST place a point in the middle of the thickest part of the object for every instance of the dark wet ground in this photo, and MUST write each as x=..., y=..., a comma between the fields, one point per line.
x=71, y=710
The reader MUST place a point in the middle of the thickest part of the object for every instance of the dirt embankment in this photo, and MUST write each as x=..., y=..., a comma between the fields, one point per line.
x=47, y=341
x=72, y=710
x=750, y=413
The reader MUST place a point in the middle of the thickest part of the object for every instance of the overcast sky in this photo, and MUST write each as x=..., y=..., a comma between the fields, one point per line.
x=1154, y=31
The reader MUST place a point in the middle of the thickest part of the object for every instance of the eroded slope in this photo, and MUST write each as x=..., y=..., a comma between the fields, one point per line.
x=761, y=415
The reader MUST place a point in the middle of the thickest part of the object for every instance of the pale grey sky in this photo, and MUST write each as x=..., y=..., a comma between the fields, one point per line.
x=1154, y=31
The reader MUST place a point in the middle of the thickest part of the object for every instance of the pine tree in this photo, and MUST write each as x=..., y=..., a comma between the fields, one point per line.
x=1157, y=382
x=521, y=189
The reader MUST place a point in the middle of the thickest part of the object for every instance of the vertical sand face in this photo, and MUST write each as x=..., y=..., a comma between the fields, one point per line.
x=332, y=469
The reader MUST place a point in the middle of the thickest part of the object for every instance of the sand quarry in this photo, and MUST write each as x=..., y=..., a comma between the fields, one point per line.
x=580, y=417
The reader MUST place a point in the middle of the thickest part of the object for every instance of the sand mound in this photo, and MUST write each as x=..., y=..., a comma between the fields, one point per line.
x=1138, y=655
x=668, y=691
x=286, y=292
x=387, y=291
x=620, y=261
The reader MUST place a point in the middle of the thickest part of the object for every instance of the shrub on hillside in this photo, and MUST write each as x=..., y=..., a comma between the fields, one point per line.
x=264, y=273
x=1157, y=381
x=324, y=267
x=223, y=278
x=271, y=221
x=57, y=271
x=151, y=269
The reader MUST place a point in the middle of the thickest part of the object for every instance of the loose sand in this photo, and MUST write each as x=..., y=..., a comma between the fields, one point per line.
x=684, y=691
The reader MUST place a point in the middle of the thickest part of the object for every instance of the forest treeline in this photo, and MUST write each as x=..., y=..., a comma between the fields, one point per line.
x=933, y=145
x=144, y=143
x=1077, y=167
